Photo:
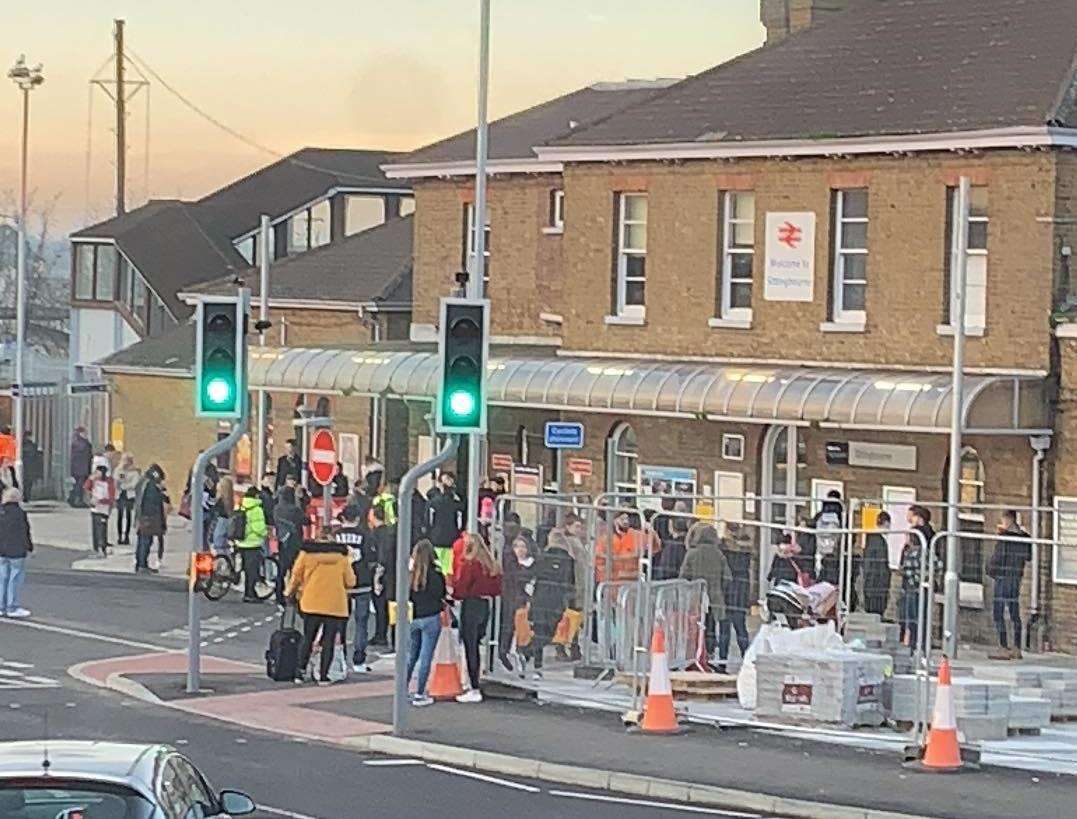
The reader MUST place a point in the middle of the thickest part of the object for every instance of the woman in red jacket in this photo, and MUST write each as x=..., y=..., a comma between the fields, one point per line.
x=476, y=579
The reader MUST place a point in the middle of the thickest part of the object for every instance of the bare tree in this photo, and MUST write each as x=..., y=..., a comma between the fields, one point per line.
x=47, y=278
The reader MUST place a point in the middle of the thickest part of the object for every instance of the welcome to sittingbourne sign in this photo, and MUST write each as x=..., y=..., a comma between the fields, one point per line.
x=789, y=268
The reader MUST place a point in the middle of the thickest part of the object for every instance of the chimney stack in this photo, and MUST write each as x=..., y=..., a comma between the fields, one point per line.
x=785, y=17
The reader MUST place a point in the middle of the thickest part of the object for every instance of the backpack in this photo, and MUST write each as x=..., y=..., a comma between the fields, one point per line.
x=237, y=526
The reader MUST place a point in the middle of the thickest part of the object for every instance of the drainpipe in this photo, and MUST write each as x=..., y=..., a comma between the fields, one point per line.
x=371, y=321
x=1040, y=443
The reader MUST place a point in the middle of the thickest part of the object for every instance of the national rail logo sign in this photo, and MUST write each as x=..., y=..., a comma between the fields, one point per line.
x=789, y=269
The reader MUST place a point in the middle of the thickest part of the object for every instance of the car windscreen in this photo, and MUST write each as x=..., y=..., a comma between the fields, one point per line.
x=70, y=799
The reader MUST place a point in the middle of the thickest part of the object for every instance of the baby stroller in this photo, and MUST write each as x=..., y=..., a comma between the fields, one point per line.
x=794, y=607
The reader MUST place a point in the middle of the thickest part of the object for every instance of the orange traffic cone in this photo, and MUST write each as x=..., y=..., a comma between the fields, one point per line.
x=658, y=714
x=942, y=753
x=445, y=678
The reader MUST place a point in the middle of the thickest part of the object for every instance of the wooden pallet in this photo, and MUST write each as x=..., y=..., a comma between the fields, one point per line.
x=695, y=685
x=1064, y=718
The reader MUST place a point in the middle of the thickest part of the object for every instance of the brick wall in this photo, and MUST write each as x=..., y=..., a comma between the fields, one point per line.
x=526, y=268
x=159, y=424
x=905, y=268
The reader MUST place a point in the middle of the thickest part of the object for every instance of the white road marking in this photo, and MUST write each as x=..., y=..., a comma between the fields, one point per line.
x=12, y=679
x=13, y=664
x=290, y=814
x=9, y=672
x=232, y=634
x=88, y=635
x=646, y=803
x=483, y=778
x=388, y=763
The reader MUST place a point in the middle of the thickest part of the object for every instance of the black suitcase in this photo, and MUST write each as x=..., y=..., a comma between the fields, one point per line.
x=282, y=656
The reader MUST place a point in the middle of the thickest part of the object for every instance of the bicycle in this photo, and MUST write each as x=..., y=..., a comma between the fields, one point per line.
x=228, y=572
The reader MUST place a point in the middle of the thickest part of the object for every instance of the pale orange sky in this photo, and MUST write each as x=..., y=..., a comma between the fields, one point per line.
x=349, y=73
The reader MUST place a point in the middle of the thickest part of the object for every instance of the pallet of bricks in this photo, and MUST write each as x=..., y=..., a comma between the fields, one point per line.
x=831, y=686
x=1056, y=685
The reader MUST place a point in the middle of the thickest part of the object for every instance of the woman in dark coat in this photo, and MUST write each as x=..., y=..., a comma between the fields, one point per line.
x=518, y=575
x=877, y=569
x=15, y=545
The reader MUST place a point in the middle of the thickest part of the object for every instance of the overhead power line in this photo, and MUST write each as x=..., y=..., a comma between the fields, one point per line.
x=232, y=132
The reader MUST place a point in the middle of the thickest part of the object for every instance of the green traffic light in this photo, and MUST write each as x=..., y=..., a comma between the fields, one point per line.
x=461, y=403
x=218, y=391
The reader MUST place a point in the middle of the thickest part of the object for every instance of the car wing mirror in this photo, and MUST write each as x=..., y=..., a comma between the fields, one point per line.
x=235, y=803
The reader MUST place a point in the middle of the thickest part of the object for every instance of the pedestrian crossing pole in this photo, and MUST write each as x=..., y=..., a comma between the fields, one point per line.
x=198, y=479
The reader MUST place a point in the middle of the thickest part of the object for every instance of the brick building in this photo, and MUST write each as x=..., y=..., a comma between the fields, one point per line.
x=742, y=282
x=642, y=251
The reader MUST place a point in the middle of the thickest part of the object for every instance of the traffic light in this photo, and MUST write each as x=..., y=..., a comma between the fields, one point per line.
x=461, y=400
x=219, y=376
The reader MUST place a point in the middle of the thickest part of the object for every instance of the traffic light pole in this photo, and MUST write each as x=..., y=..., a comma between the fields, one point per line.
x=478, y=274
x=198, y=480
x=403, y=576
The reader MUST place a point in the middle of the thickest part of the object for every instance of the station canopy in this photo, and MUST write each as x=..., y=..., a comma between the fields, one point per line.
x=913, y=401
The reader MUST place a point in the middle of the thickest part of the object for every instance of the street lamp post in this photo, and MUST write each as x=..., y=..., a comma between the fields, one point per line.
x=26, y=79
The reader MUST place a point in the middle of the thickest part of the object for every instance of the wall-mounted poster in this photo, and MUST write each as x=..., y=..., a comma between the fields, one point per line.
x=656, y=481
x=348, y=452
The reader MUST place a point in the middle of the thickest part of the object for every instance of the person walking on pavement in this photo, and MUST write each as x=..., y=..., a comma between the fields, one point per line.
x=33, y=465
x=321, y=578
x=383, y=539
x=517, y=584
x=737, y=548
x=127, y=478
x=555, y=576
x=419, y=516
x=255, y=532
x=288, y=464
x=1007, y=569
x=877, y=568
x=364, y=557
x=267, y=495
x=341, y=488
x=427, y=596
x=289, y=521
x=476, y=581
x=102, y=491
x=81, y=457
x=150, y=512
x=669, y=561
x=448, y=514
x=15, y=546
x=705, y=561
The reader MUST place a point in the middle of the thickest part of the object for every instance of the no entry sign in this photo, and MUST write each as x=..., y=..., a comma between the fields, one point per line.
x=323, y=457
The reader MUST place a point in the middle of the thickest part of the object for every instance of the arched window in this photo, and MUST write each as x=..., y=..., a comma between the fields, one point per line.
x=972, y=478
x=622, y=458
x=970, y=515
x=321, y=408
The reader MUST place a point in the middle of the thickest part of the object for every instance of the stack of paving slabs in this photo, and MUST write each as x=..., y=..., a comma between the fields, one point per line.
x=813, y=686
x=1056, y=685
x=1029, y=712
x=879, y=638
x=982, y=707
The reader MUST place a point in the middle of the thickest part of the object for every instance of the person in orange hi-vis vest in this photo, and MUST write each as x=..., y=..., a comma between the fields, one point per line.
x=7, y=446
x=629, y=543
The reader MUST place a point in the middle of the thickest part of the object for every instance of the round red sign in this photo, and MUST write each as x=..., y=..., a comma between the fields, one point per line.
x=323, y=457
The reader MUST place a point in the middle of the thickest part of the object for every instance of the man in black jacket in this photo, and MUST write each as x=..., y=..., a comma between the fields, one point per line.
x=364, y=559
x=448, y=516
x=289, y=464
x=383, y=539
x=1007, y=567
x=555, y=581
x=289, y=521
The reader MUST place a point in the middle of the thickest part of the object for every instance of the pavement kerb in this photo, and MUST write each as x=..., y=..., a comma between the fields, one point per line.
x=632, y=784
x=596, y=779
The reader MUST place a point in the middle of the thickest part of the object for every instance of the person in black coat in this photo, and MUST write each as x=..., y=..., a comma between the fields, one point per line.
x=737, y=548
x=288, y=464
x=555, y=589
x=81, y=465
x=383, y=537
x=15, y=545
x=33, y=465
x=517, y=584
x=877, y=569
x=340, y=482
x=448, y=513
x=667, y=565
x=1007, y=569
x=419, y=516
